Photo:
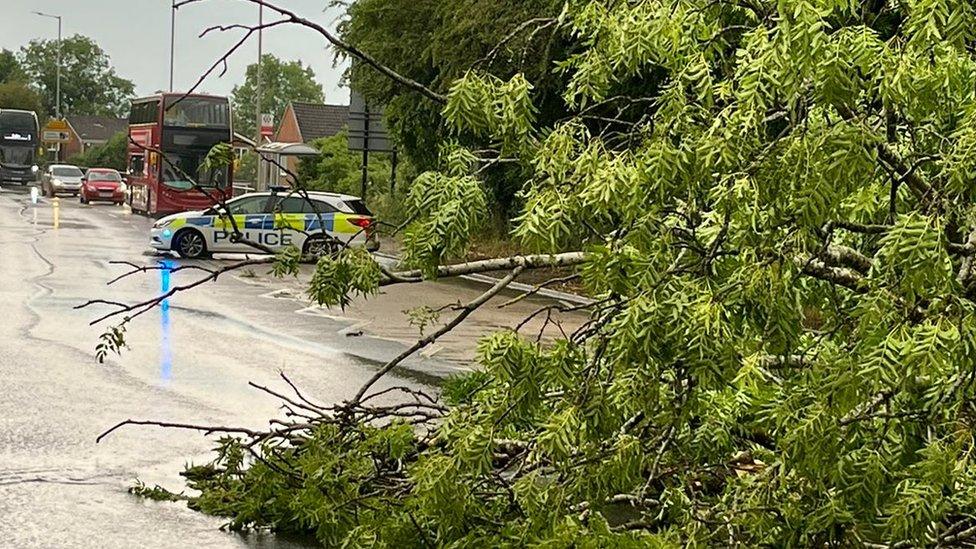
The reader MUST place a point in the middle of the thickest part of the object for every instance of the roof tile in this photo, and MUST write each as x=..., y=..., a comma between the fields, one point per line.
x=97, y=128
x=315, y=120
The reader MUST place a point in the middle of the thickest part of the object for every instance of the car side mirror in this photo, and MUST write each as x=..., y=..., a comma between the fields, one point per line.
x=84, y=178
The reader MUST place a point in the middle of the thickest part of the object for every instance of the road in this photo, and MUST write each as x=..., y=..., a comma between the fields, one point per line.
x=188, y=361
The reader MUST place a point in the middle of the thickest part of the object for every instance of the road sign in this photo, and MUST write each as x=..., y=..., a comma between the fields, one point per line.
x=267, y=125
x=55, y=137
x=366, y=128
x=367, y=133
x=55, y=131
x=56, y=125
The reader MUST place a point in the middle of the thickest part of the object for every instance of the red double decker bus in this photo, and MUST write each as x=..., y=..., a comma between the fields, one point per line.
x=170, y=135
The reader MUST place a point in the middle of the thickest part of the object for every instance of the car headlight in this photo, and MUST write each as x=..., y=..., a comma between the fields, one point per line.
x=56, y=181
x=122, y=187
x=34, y=168
x=162, y=223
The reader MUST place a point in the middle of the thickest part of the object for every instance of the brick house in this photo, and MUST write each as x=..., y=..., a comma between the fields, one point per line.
x=90, y=131
x=306, y=122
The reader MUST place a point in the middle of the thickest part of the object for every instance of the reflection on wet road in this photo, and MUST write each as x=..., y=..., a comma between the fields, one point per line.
x=189, y=359
x=165, y=352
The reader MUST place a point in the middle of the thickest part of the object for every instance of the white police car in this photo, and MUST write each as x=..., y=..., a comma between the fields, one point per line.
x=317, y=225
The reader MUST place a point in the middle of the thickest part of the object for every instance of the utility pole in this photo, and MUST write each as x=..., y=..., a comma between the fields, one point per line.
x=57, y=108
x=57, y=100
x=57, y=92
x=172, y=42
x=257, y=87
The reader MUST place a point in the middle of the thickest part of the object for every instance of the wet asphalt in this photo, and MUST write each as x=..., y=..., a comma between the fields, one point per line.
x=189, y=361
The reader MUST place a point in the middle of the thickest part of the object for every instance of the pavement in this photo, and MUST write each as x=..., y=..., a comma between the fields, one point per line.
x=188, y=361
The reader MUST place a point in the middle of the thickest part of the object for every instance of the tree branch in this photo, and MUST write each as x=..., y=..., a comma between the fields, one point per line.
x=206, y=429
x=845, y=257
x=292, y=17
x=420, y=344
x=816, y=268
x=487, y=265
x=542, y=23
x=145, y=306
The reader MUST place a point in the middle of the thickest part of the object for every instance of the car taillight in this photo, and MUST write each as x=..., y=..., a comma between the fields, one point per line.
x=363, y=222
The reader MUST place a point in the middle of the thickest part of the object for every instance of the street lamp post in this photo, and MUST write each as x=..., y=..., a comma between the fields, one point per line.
x=172, y=42
x=257, y=90
x=57, y=108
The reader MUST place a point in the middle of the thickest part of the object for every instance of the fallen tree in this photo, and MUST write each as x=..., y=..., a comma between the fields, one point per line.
x=776, y=206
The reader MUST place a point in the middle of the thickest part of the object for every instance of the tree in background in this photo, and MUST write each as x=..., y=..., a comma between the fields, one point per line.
x=89, y=84
x=14, y=91
x=436, y=42
x=339, y=170
x=281, y=83
x=17, y=95
x=10, y=68
x=111, y=154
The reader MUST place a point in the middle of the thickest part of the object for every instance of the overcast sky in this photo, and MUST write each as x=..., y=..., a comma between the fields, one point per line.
x=135, y=34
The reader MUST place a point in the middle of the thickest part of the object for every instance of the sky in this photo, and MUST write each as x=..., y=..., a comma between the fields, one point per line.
x=135, y=34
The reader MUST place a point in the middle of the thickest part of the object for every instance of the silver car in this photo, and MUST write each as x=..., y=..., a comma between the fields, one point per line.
x=61, y=178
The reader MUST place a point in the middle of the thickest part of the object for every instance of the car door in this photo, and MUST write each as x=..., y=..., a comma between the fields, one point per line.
x=251, y=217
x=320, y=218
x=293, y=220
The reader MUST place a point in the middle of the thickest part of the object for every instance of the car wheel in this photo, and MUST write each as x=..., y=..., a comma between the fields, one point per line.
x=318, y=246
x=82, y=199
x=190, y=244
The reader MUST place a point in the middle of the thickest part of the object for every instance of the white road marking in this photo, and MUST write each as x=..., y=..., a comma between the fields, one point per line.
x=431, y=351
x=283, y=293
x=315, y=310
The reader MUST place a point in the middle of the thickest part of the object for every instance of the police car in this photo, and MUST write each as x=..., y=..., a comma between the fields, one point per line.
x=320, y=224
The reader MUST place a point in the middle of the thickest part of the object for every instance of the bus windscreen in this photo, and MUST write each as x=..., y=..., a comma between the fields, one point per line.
x=181, y=169
x=16, y=156
x=18, y=126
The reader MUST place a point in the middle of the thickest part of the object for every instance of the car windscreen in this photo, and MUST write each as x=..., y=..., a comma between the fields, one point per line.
x=67, y=171
x=104, y=176
x=358, y=206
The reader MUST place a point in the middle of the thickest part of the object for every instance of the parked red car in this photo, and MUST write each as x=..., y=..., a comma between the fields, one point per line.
x=102, y=185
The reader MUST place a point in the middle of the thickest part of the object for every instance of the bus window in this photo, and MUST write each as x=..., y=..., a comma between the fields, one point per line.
x=196, y=112
x=137, y=164
x=144, y=113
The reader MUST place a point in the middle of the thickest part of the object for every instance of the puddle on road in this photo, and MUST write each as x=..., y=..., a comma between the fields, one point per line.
x=65, y=225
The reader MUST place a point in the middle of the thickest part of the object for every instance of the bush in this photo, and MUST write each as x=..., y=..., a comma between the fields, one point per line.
x=109, y=155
